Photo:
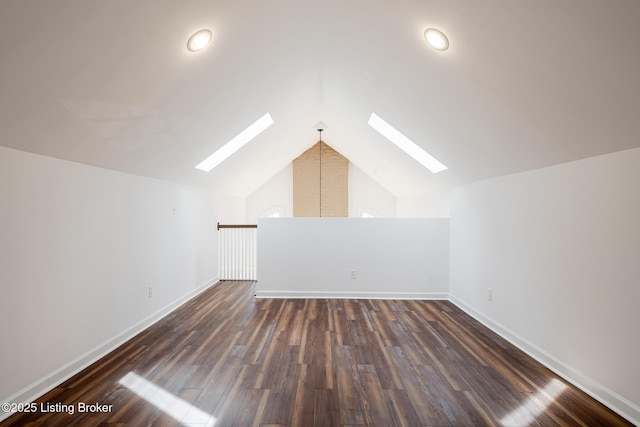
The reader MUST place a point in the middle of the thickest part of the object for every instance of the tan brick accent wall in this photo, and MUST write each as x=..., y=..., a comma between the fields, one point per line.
x=306, y=183
x=311, y=182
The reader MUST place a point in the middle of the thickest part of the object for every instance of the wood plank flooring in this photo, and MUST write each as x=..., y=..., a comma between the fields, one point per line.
x=228, y=359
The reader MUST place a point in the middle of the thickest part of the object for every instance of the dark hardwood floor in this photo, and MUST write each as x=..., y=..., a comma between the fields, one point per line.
x=228, y=359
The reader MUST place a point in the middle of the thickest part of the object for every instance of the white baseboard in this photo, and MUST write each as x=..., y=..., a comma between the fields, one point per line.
x=63, y=373
x=609, y=398
x=351, y=295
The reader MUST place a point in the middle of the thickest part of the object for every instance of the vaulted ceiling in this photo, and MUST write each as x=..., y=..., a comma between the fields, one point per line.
x=525, y=84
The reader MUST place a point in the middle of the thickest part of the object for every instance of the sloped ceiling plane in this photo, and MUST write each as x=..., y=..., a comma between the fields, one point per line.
x=523, y=85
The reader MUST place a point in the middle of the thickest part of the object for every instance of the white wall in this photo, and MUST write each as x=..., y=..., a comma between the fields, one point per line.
x=367, y=195
x=230, y=209
x=79, y=247
x=434, y=203
x=364, y=194
x=276, y=193
x=560, y=248
x=313, y=258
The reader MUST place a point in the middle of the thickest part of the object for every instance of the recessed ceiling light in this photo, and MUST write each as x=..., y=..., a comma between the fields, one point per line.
x=236, y=143
x=199, y=40
x=405, y=144
x=436, y=39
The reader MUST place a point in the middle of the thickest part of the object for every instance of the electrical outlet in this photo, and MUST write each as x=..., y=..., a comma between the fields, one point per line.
x=353, y=274
x=150, y=291
x=490, y=294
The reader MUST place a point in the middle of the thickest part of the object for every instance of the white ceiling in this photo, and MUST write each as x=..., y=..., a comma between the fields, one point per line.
x=525, y=84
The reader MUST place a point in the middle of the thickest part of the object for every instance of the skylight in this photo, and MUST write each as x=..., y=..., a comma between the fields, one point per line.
x=405, y=144
x=236, y=143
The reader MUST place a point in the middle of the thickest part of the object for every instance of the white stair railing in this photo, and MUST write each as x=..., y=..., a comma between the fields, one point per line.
x=237, y=251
